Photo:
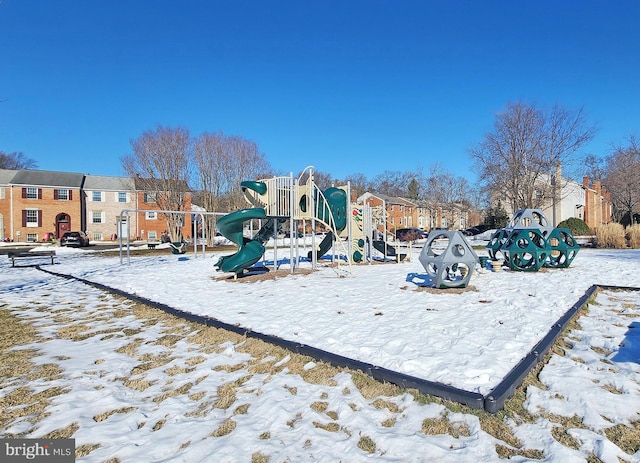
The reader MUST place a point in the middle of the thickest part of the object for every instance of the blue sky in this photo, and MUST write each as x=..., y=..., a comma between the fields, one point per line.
x=346, y=86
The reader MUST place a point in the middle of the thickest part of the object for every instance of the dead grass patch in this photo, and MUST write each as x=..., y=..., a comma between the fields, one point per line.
x=258, y=457
x=330, y=427
x=184, y=389
x=370, y=388
x=227, y=393
x=105, y=415
x=625, y=437
x=560, y=434
x=159, y=424
x=85, y=449
x=319, y=407
x=130, y=349
x=157, y=360
x=225, y=428
x=197, y=396
x=138, y=384
x=389, y=422
x=601, y=350
x=242, y=409
x=176, y=370
x=380, y=404
x=168, y=340
x=442, y=425
x=612, y=389
x=432, y=290
x=367, y=444
x=193, y=361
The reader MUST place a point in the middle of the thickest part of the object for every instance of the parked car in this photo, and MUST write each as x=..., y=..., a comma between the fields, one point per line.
x=410, y=234
x=475, y=230
x=75, y=238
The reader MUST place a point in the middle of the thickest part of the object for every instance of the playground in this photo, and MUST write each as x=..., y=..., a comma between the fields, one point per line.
x=378, y=314
x=442, y=321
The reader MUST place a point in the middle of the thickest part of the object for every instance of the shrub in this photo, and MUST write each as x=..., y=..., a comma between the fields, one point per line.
x=610, y=235
x=496, y=218
x=633, y=235
x=577, y=227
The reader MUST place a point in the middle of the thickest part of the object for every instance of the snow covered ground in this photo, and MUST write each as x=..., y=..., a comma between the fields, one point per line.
x=380, y=314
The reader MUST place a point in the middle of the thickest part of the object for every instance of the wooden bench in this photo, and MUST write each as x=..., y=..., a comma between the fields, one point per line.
x=152, y=244
x=14, y=255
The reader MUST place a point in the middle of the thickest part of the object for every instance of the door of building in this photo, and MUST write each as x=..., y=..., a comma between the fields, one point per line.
x=63, y=224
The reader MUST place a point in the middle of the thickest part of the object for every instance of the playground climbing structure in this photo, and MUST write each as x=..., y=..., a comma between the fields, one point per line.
x=278, y=200
x=529, y=242
x=448, y=259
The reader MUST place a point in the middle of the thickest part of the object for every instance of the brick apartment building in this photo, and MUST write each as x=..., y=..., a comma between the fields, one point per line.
x=36, y=205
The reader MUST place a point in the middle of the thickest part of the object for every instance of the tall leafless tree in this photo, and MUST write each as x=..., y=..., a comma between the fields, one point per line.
x=16, y=161
x=518, y=159
x=358, y=182
x=160, y=165
x=222, y=163
x=594, y=167
x=622, y=179
x=393, y=183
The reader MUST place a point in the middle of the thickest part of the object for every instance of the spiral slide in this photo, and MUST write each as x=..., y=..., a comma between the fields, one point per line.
x=249, y=251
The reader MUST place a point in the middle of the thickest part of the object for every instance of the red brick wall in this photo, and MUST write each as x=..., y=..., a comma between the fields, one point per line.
x=50, y=208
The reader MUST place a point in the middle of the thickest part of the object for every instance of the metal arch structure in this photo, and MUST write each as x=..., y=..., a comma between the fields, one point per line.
x=126, y=212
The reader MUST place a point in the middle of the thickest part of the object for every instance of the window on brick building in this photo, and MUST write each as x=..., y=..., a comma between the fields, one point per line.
x=62, y=195
x=31, y=217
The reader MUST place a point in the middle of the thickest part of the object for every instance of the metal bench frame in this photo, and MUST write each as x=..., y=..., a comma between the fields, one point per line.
x=14, y=255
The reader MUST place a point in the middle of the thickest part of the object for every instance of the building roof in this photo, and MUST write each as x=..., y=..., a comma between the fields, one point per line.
x=48, y=179
x=156, y=184
x=6, y=175
x=104, y=183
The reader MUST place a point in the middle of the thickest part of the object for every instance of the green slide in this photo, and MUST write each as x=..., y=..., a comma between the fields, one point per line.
x=325, y=245
x=249, y=251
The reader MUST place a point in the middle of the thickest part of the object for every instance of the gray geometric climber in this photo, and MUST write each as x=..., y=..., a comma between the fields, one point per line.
x=448, y=259
x=530, y=218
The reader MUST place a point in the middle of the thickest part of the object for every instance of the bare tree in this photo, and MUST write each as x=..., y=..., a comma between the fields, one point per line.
x=594, y=167
x=456, y=194
x=622, y=179
x=16, y=161
x=359, y=183
x=160, y=166
x=528, y=145
x=323, y=180
x=392, y=183
x=222, y=164
x=434, y=196
x=245, y=162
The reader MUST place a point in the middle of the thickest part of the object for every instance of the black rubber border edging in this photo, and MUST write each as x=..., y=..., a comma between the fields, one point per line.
x=492, y=403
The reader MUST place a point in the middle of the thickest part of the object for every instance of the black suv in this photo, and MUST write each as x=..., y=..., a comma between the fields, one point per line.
x=410, y=234
x=76, y=238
